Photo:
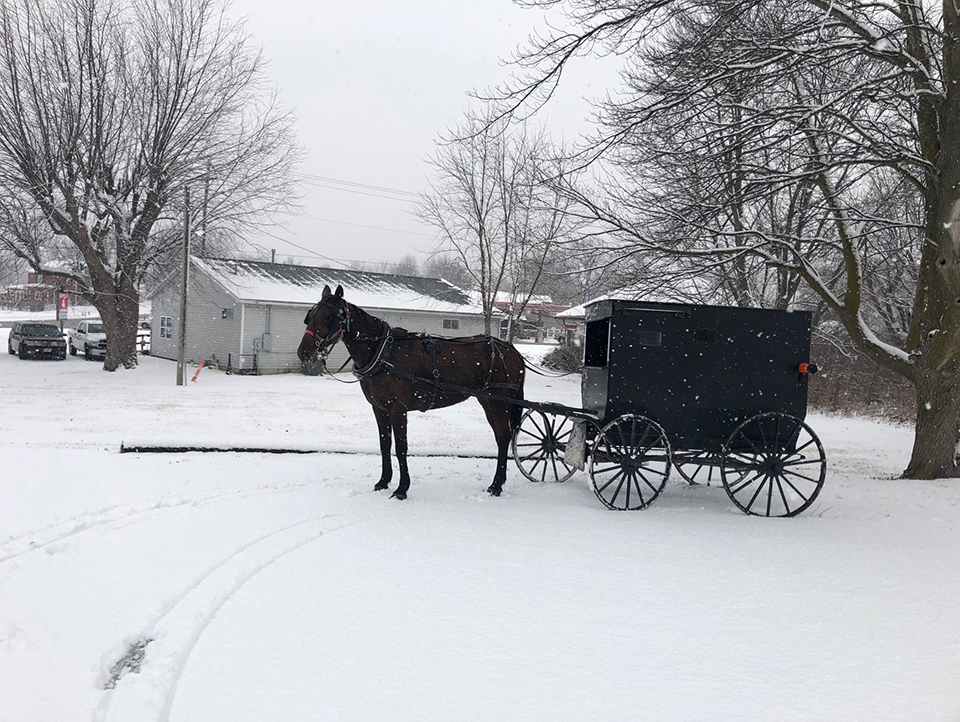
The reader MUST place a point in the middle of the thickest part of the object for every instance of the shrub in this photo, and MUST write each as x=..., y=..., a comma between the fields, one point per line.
x=850, y=383
x=564, y=358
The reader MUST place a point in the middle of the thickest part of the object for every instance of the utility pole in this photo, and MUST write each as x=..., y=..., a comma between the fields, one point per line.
x=181, y=376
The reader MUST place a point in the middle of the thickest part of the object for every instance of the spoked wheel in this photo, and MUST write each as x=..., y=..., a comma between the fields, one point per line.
x=629, y=463
x=773, y=465
x=695, y=467
x=538, y=446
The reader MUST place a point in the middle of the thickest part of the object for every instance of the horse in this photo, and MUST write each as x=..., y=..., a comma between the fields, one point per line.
x=400, y=371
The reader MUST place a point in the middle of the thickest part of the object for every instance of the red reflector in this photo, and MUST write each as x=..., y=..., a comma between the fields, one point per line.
x=804, y=368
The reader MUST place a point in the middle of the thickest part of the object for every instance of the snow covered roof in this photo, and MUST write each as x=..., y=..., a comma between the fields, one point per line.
x=579, y=312
x=28, y=286
x=264, y=282
x=507, y=297
x=632, y=293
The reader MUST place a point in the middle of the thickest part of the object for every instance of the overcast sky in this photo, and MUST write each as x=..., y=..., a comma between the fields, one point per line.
x=373, y=84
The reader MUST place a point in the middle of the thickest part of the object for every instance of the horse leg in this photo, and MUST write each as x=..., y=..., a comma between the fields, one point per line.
x=383, y=426
x=400, y=434
x=498, y=416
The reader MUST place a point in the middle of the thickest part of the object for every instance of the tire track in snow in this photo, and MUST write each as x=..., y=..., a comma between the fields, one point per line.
x=133, y=512
x=149, y=693
x=123, y=515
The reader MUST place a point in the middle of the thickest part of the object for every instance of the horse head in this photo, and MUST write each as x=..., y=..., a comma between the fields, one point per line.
x=325, y=323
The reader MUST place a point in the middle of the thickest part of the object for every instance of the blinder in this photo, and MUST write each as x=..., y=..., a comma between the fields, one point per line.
x=326, y=344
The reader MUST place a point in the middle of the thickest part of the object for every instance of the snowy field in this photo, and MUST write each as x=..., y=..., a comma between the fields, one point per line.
x=281, y=587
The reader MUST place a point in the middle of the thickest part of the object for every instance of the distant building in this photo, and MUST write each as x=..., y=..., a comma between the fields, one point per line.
x=572, y=322
x=38, y=292
x=572, y=319
x=537, y=320
x=248, y=315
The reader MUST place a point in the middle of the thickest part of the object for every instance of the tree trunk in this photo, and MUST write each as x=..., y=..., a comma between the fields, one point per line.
x=936, y=373
x=937, y=353
x=938, y=428
x=120, y=314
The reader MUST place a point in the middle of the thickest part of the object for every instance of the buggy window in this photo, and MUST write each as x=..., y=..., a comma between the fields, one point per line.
x=597, y=343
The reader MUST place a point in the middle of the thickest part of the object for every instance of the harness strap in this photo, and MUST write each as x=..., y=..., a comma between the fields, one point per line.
x=431, y=347
x=380, y=360
x=493, y=359
x=391, y=367
x=344, y=364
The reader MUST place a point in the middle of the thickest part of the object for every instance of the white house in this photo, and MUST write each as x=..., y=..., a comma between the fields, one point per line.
x=247, y=316
x=572, y=319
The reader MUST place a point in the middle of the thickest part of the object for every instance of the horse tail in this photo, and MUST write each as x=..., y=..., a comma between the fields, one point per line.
x=516, y=410
x=512, y=362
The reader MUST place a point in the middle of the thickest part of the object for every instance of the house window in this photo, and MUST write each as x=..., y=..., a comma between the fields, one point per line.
x=166, y=327
x=451, y=324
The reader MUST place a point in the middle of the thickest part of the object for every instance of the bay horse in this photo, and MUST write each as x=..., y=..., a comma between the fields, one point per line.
x=400, y=371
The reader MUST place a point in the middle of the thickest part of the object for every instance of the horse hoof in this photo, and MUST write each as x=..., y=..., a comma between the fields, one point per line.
x=494, y=491
x=398, y=495
x=381, y=486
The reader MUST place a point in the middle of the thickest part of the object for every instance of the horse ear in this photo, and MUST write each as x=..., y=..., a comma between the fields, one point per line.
x=339, y=293
x=326, y=292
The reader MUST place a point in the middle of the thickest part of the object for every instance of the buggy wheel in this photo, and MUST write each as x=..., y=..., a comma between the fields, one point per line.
x=629, y=463
x=773, y=465
x=696, y=468
x=538, y=446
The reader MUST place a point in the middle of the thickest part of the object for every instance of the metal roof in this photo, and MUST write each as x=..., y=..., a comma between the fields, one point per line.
x=265, y=282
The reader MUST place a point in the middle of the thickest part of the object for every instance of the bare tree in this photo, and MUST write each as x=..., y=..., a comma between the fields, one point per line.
x=11, y=266
x=111, y=110
x=407, y=266
x=444, y=264
x=839, y=94
x=494, y=204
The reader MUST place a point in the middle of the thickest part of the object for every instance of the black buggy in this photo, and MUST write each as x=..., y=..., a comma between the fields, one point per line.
x=718, y=393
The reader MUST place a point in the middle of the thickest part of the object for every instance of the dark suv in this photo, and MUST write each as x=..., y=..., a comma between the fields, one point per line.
x=36, y=340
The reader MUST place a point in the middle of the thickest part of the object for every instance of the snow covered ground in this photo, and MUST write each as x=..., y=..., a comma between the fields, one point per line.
x=281, y=587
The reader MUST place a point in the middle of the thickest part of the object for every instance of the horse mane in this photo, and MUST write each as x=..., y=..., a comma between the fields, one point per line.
x=360, y=316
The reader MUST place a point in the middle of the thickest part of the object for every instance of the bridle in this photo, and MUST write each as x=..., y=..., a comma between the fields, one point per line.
x=325, y=345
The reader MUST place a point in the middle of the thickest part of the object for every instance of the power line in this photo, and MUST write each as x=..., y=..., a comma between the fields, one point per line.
x=367, y=186
x=361, y=225
x=313, y=254
x=360, y=193
x=349, y=263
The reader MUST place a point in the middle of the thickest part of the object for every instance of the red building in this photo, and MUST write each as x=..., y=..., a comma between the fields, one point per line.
x=39, y=291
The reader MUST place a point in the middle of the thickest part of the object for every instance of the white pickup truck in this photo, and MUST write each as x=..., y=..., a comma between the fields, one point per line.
x=89, y=338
